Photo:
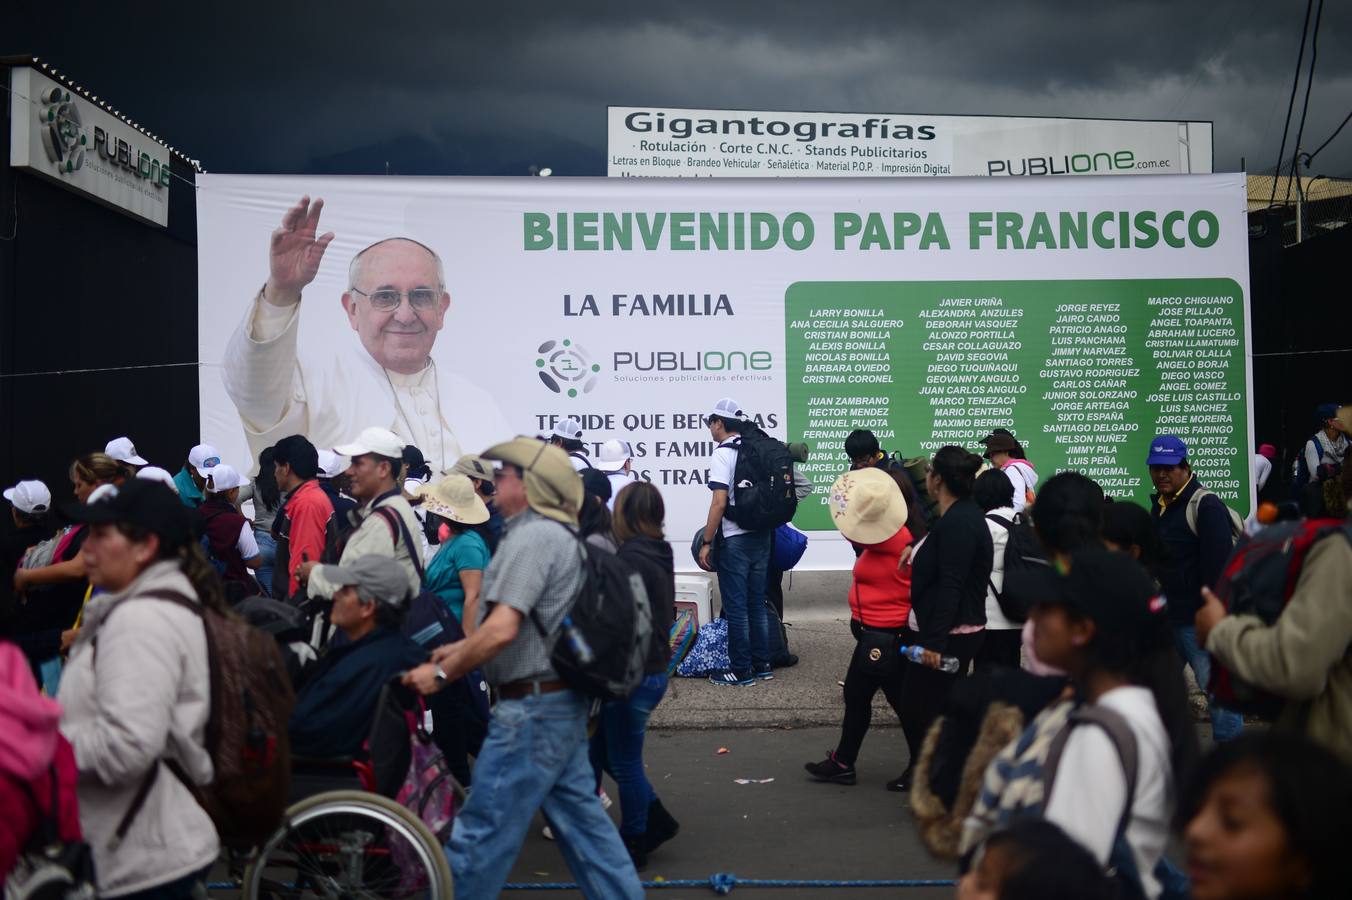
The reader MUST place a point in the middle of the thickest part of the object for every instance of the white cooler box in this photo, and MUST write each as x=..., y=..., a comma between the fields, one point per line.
x=696, y=593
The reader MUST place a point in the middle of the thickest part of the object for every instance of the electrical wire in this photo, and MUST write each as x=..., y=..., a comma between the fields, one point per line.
x=1291, y=104
x=1305, y=109
x=1309, y=157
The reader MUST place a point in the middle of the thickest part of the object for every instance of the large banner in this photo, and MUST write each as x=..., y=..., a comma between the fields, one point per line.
x=1082, y=314
x=646, y=141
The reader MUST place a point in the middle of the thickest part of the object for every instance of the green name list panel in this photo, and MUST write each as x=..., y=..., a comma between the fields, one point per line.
x=1084, y=373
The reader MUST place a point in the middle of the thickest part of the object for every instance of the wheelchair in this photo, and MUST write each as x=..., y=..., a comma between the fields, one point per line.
x=345, y=836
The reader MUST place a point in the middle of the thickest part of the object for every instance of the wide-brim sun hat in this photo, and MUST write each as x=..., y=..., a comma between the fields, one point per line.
x=867, y=506
x=553, y=488
x=454, y=498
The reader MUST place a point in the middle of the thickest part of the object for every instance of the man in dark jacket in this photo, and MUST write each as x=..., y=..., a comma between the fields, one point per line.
x=1197, y=554
x=337, y=703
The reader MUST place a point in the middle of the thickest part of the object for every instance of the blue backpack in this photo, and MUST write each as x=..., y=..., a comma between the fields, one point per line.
x=429, y=623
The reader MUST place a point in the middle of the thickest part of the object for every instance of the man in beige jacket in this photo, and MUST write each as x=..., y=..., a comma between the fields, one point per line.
x=1304, y=657
x=384, y=522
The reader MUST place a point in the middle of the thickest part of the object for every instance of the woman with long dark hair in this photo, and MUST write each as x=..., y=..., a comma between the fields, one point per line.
x=949, y=570
x=148, y=699
x=594, y=521
x=617, y=745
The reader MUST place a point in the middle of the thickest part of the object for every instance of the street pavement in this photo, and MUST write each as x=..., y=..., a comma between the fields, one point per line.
x=791, y=827
x=788, y=828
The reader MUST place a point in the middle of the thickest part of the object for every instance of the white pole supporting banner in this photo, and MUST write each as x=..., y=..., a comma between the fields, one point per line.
x=1083, y=314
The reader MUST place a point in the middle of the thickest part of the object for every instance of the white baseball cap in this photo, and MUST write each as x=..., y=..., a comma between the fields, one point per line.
x=223, y=477
x=203, y=457
x=728, y=408
x=123, y=450
x=568, y=428
x=331, y=465
x=155, y=473
x=612, y=456
x=30, y=497
x=381, y=441
x=100, y=492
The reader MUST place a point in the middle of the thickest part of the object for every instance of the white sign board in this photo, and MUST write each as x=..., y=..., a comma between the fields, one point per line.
x=667, y=142
x=70, y=140
x=1084, y=315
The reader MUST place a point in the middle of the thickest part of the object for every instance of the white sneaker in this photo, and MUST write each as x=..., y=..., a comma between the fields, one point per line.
x=547, y=833
x=606, y=802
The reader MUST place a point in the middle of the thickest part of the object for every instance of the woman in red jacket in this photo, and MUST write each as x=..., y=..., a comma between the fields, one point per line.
x=868, y=508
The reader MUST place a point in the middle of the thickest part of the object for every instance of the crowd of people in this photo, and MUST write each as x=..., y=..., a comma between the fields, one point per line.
x=983, y=602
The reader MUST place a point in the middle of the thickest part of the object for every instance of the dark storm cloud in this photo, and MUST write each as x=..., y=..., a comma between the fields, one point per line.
x=491, y=88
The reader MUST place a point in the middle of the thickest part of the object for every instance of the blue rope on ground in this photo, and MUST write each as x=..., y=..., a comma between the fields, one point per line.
x=722, y=884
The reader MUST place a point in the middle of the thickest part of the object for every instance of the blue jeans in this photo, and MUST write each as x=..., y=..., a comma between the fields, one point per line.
x=742, y=564
x=267, y=548
x=536, y=757
x=617, y=747
x=1225, y=725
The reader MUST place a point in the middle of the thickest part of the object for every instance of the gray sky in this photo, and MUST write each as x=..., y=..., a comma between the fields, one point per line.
x=459, y=89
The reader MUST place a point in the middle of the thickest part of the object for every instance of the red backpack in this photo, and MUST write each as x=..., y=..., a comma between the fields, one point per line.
x=1258, y=580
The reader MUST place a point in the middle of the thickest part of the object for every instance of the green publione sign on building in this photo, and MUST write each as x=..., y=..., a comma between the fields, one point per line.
x=1083, y=372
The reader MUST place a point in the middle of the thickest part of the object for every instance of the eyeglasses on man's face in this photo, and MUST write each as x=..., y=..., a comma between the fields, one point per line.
x=386, y=299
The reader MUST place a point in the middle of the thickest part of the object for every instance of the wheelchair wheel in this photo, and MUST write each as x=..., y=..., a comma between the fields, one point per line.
x=344, y=845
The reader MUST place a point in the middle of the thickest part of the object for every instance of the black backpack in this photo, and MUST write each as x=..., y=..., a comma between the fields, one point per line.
x=1023, y=553
x=601, y=644
x=763, y=491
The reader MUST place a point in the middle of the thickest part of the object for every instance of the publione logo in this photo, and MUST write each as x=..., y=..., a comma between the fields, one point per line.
x=566, y=368
x=62, y=131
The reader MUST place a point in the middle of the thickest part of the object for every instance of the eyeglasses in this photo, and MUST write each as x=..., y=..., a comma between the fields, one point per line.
x=386, y=299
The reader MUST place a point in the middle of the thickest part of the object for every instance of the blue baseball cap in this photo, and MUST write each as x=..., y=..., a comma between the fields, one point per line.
x=1325, y=411
x=1167, y=450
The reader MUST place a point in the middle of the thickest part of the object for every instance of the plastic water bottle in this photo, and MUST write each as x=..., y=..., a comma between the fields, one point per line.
x=916, y=654
x=578, y=643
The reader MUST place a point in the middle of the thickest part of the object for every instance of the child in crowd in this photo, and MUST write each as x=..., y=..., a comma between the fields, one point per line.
x=1034, y=860
x=1267, y=816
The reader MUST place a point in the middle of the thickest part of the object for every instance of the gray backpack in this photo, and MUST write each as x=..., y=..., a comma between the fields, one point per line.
x=42, y=553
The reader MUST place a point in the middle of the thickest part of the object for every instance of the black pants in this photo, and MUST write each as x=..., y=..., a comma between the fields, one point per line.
x=925, y=691
x=774, y=587
x=456, y=730
x=1002, y=647
x=861, y=684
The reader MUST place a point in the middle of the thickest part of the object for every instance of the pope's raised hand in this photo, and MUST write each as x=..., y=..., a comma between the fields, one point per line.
x=295, y=253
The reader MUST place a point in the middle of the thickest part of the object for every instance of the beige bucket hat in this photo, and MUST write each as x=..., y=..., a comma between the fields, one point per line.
x=453, y=498
x=866, y=506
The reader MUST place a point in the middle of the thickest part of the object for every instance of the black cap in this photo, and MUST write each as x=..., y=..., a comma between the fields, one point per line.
x=594, y=481
x=1111, y=589
x=415, y=465
x=145, y=504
